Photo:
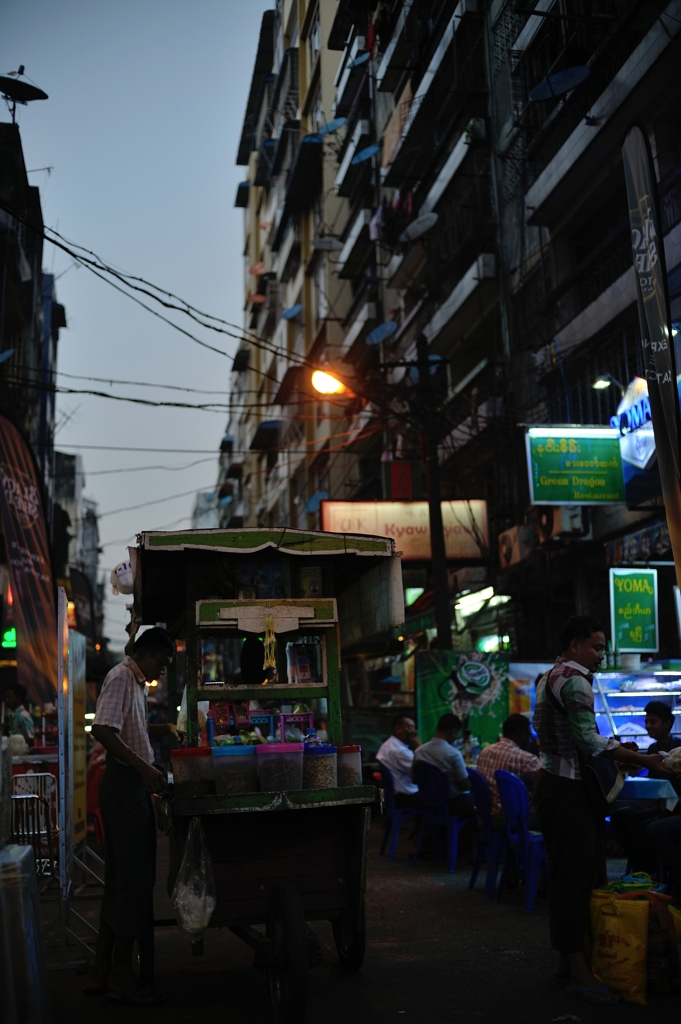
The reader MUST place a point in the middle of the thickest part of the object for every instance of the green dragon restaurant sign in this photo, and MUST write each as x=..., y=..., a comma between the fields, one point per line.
x=574, y=466
x=633, y=610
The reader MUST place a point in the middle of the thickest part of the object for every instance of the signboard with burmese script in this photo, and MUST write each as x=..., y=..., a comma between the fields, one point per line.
x=633, y=610
x=407, y=522
x=575, y=466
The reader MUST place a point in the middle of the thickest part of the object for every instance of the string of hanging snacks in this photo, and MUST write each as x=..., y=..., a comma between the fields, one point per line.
x=270, y=643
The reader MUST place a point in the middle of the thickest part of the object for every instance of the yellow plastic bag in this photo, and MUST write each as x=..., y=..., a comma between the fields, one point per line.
x=620, y=945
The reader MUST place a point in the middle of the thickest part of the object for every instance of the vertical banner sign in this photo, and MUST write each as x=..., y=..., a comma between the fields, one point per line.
x=77, y=736
x=25, y=531
x=65, y=847
x=653, y=310
x=633, y=610
x=473, y=686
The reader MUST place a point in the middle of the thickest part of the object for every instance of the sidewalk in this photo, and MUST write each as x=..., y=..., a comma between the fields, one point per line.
x=436, y=953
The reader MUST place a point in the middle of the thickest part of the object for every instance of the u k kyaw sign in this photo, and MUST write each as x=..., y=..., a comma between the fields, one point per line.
x=407, y=522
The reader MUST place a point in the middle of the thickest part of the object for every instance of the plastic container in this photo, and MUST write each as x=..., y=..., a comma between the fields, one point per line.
x=280, y=766
x=350, y=765
x=319, y=767
x=236, y=769
x=193, y=771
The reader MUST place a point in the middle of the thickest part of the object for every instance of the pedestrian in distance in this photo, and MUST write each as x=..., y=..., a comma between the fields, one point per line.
x=129, y=780
x=510, y=754
x=19, y=721
x=570, y=822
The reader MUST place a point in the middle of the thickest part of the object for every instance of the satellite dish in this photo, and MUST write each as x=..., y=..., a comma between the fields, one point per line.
x=313, y=137
x=292, y=311
x=365, y=154
x=315, y=501
x=359, y=60
x=333, y=126
x=257, y=299
x=382, y=333
x=327, y=244
x=561, y=82
x=257, y=269
x=14, y=90
x=418, y=227
x=7, y=354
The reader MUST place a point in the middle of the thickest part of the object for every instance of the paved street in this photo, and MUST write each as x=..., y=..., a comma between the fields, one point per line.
x=436, y=953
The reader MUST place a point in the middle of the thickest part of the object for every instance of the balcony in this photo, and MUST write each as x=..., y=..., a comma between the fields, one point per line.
x=302, y=184
x=348, y=174
x=396, y=54
x=241, y=201
x=356, y=247
x=422, y=121
x=357, y=325
x=349, y=80
x=457, y=315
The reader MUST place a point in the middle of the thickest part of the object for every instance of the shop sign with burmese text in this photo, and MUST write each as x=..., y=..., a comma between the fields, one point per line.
x=633, y=610
x=574, y=466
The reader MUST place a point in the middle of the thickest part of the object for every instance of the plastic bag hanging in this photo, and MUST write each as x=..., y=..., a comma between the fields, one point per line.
x=194, y=894
x=270, y=644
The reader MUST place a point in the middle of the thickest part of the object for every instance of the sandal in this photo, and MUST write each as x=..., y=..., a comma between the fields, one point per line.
x=596, y=996
x=140, y=995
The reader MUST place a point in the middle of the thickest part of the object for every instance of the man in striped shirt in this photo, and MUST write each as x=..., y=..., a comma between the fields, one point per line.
x=572, y=828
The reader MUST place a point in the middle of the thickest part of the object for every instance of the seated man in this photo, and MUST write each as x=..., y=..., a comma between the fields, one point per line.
x=641, y=829
x=509, y=754
x=397, y=754
x=441, y=753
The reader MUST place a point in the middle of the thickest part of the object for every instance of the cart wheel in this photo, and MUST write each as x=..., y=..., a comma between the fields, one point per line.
x=288, y=972
x=350, y=942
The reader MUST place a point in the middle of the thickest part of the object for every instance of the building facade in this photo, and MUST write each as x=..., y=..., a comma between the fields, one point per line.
x=419, y=170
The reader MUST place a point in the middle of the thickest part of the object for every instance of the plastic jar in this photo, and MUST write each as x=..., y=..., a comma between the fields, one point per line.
x=280, y=766
x=319, y=767
x=193, y=771
x=350, y=765
x=236, y=769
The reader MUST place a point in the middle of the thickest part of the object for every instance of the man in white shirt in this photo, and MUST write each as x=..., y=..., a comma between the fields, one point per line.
x=397, y=754
x=441, y=753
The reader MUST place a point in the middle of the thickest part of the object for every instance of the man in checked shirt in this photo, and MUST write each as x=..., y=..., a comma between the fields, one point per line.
x=573, y=830
x=130, y=778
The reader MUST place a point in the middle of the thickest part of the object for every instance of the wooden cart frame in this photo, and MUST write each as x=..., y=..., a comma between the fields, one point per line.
x=279, y=859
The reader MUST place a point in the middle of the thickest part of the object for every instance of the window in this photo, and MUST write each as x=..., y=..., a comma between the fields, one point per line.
x=314, y=39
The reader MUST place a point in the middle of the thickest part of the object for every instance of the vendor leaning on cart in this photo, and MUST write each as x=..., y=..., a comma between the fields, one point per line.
x=573, y=831
x=128, y=781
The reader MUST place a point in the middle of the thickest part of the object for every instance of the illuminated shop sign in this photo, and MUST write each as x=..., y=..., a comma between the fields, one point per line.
x=637, y=444
x=574, y=466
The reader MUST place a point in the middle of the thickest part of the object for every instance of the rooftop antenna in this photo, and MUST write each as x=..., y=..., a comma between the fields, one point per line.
x=15, y=90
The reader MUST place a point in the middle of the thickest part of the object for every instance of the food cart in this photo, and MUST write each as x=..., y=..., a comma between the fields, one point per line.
x=279, y=858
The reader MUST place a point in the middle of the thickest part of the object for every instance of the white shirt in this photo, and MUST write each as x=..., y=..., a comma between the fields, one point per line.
x=399, y=758
x=448, y=759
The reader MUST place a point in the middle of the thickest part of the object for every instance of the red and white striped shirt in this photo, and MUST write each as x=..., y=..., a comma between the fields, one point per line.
x=505, y=756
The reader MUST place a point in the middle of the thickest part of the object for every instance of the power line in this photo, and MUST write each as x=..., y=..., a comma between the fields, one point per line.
x=132, y=469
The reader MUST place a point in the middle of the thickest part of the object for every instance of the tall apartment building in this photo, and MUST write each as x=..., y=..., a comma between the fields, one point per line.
x=462, y=202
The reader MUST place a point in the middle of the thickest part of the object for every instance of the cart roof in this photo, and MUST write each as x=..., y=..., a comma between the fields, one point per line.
x=244, y=541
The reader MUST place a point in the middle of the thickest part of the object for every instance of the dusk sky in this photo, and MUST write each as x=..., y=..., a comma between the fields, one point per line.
x=146, y=102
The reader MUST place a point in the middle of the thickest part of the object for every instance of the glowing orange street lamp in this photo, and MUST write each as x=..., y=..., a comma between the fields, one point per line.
x=326, y=384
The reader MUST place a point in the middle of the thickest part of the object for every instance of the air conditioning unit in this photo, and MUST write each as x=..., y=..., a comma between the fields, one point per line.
x=555, y=521
x=515, y=544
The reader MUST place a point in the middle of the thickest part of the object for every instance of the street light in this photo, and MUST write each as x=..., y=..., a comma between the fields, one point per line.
x=604, y=380
x=326, y=384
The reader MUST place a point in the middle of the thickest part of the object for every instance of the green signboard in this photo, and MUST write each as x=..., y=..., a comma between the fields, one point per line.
x=574, y=466
x=472, y=685
x=633, y=609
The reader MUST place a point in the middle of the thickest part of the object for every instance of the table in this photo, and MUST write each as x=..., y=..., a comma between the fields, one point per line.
x=650, y=789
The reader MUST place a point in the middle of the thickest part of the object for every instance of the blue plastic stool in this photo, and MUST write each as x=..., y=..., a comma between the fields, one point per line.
x=490, y=843
x=434, y=791
x=525, y=847
x=395, y=817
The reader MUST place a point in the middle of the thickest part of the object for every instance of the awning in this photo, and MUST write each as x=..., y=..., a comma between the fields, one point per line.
x=305, y=176
x=650, y=544
x=289, y=384
x=241, y=360
x=241, y=201
x=266, y=436
x=227, y=444
x=235, y=471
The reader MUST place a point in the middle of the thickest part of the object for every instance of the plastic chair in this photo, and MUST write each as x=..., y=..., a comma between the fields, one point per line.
x=523, y=846
x=490, y=843
x=395, y=817
x=434, y=791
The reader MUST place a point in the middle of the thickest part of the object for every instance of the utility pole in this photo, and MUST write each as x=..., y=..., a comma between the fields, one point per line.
x=443, y=615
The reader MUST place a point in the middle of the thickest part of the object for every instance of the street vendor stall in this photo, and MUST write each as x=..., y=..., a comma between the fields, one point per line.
x=263, y=614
